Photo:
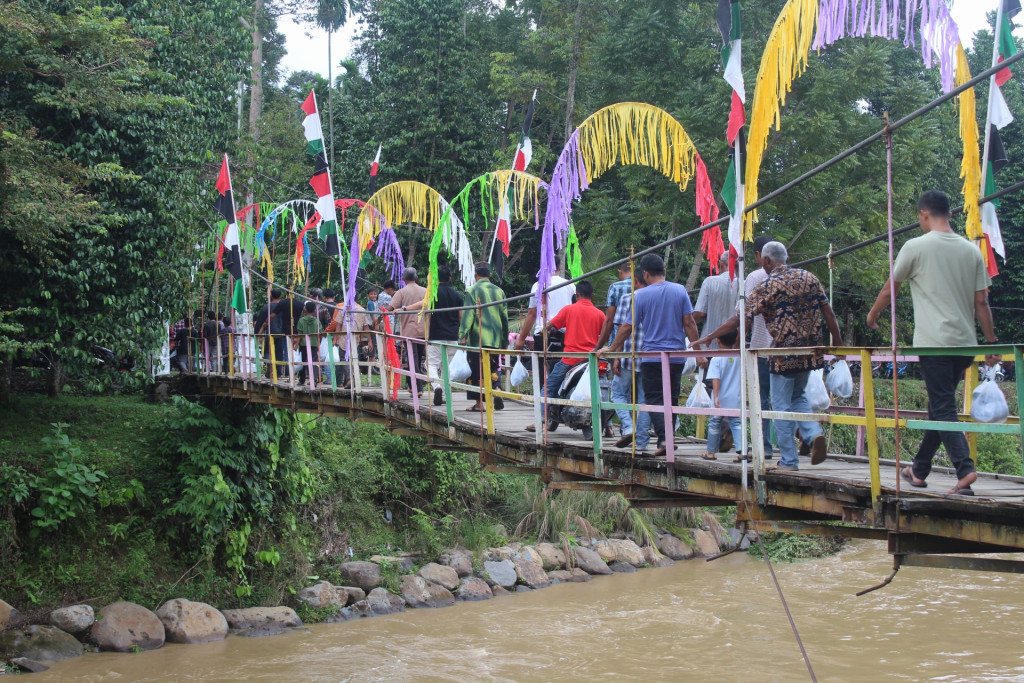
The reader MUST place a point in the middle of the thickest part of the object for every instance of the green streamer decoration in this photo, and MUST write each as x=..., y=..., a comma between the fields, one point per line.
x=573, y=254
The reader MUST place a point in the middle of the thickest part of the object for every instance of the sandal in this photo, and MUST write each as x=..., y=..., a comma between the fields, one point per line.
x=708, y=456
x=531, y=428
x=965, y=491
x=474, y=409
x=782, y=468
x=907, y=475
x=743, y=458
x=660, y=453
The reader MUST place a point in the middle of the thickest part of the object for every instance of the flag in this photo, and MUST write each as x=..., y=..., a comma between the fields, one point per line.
x=524, y=152
x=327, y=228
x=373, y=171
x=999, y=116
x=733, y=195
x=730, y=25
x=229, y=254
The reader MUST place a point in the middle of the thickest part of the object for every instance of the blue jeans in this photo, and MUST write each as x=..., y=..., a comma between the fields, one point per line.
x=643, y=420
x=555, y=378
x=715, y=431
x=622, y=392
x=763, y=378
x=788, y=395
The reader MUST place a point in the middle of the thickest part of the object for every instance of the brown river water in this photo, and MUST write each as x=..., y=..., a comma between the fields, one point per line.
x=697, y=620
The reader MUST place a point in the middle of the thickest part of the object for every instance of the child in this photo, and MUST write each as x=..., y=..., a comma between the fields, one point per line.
x=724, y=374
x=309, y=324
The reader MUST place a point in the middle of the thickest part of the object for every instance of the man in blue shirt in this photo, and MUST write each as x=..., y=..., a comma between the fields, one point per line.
x=664, y=310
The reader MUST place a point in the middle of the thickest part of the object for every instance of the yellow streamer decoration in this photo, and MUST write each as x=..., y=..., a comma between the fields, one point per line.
x=784, y=59
x=399, y=203
x=970, y=165
x=633, y=133
x=524, y=187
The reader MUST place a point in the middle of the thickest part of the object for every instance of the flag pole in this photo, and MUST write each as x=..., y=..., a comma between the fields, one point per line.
x=991, y=84
x=741, y=284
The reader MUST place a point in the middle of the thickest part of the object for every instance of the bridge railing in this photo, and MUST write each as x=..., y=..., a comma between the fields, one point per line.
x=252, y=357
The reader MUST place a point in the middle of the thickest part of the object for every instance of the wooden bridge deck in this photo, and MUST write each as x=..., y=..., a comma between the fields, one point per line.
x=918, y=523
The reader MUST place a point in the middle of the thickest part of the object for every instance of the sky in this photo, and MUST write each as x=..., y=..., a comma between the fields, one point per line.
x=307, y=46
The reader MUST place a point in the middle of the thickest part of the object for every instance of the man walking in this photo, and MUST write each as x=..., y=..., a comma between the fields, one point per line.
x=760, y=339
x=630, y=334
x=622, y=384
x=442, y=327
x=410, y=298
x=665, y=311
x=582, y=322
x=483, y=326
x=716, y=301
x=532, y=324
x=793, y=303
x=949, y=287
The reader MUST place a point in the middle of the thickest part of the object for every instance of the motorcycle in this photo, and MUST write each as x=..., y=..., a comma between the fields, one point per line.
x=580, y=417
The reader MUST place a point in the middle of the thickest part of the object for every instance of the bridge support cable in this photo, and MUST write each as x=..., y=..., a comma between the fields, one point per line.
x=892, y=307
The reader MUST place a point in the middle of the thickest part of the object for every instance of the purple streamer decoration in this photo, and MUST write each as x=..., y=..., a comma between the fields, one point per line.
x=389, y=250
x=939, y=34
x=568, y=181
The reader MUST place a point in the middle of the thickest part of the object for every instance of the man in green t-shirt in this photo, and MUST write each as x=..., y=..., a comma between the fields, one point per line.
x=309, y=325
x=949, y=287
x=484, y=326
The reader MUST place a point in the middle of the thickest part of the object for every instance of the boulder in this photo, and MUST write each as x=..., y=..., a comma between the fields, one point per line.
x=557, y=576
x=74, y=620
x=502, y=572
x=749, y=539
x=418, y=592
x=499, y=554
x=530, y=554
x=262, y=620
x=499, y=592
x=735, y=536
x=627, y=551
x=472, y=589
x=656, y=559
x=127, y=627
x=29, y=666
x=590, y=561
x=365, y=575
x=523, y=589
x=39, y=643
x=192, y=623
x=580, y=576
x=605, y=550
x=515, y=547
x=551, y=556
x=9, y=616
x=706, y=543
x=354, y=594
x=460, y=561
x=382, y=602
x=356, y=610
x=440, y=574
x=322, y=594
x=622, y=567
x=403, y=563
x=672, y=547
x=531, y=572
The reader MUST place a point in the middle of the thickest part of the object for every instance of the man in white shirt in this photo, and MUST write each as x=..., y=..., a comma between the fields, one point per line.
x=556, y=301
x=760, y=339
x=717, y=300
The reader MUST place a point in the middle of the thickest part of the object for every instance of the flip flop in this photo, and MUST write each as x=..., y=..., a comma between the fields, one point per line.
x=474, y=409
x=708, y=456
x=660, y=453
x=782, y=468
x=531, y=428
x=966, y=491
x=908, y=477
x=743, y=458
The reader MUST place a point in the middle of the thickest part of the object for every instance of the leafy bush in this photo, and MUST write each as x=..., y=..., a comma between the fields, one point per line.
x=794, y=547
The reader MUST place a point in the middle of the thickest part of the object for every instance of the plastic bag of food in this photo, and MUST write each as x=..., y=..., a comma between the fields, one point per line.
x=699, y=396
x=519, y=373
x=817, y=395
x=581, y=392
x=840, y=381
x=690, y=367
x=988, y=404
x=458, y=368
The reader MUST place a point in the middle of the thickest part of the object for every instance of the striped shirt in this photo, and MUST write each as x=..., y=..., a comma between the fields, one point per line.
x=618, y=290
x=495, y=318
x=624, y=316
x=717, y=301
x=759, y=337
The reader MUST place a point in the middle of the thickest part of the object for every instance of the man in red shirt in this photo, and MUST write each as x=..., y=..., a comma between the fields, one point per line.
x=582, y=322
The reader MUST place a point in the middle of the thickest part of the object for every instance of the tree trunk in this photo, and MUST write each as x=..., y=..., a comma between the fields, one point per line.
x=6, y=375
x=256, y=91
x=56, y=377
x=574, y=63
x=691, y=282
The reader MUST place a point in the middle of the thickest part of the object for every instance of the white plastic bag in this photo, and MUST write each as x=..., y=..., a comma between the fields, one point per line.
x=840, y=381
x=519, y=373
x=581, y=392
x=817, y=395
x=988, y=403
x=458, y=368
x=699, y=396
x=690, y=367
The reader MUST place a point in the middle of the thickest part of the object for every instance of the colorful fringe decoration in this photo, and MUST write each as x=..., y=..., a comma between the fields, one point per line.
x=391, y=353
x=786, y=54
x=573, y=254
x=628, y=133
x=707, y=209
x=302, y=255
x=524, y=198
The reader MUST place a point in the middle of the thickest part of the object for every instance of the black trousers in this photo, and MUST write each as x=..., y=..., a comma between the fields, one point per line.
x=314, y=355
x=419, y=353
x=474, y=378
x=653, y=394
x=941, y=376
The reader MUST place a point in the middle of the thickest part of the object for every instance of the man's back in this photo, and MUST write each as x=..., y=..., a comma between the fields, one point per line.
x=492, y=328
x=790, y=301
x=660, y=309
x=717, y=300
x=411, y=293
x=445, y=326
x=582, y=322
x=944, y=271
x=759, y=337
x=557, y=300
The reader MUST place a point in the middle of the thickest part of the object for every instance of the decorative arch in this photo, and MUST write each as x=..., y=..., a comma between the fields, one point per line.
x=785, y=58
x=517, y=188
x=407, y=201
x=627, y=133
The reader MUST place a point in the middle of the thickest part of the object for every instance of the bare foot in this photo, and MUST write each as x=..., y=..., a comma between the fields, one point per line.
x=966, y=482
